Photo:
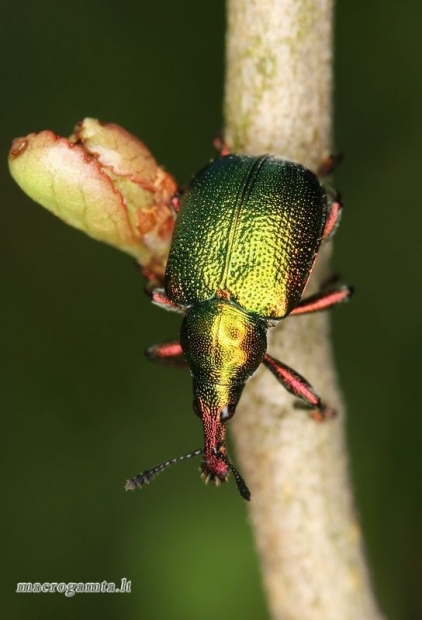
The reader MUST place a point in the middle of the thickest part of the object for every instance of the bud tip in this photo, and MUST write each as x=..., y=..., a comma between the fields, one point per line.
x=18, y=147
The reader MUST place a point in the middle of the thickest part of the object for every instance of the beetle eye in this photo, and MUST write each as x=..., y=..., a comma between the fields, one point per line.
x=226, y=413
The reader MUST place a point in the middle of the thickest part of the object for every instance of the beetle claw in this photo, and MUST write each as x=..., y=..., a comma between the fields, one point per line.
x=208, y=476
x=320, y=415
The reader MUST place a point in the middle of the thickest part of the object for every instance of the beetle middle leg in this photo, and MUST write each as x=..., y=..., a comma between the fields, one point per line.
x=159, y=298
x=297, y=385
x=167, y=353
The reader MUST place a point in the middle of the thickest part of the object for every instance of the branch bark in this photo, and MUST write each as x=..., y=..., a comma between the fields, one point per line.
x=278, y=100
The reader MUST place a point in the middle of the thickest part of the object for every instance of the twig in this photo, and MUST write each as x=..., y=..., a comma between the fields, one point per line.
x=278, y=100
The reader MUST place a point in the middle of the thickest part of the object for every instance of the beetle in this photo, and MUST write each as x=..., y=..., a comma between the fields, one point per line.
x=247, y=234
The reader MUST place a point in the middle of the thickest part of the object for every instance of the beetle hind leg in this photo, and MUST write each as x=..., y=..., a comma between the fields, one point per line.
x=329, y=164
x=335, y=210
x=221, y=145
x=297, y=385
x=323, y=300
x=335, y=204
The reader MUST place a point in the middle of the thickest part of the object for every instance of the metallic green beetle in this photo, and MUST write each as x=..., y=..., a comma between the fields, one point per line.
x=246, y=237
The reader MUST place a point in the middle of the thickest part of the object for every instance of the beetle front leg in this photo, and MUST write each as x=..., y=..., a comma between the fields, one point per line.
x=167, y=353
x=298, y=386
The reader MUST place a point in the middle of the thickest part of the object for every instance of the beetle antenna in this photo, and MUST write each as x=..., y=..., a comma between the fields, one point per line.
x=241, y=484
x=146, y=476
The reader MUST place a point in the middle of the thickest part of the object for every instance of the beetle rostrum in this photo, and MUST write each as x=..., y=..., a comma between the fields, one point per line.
x=246, y=237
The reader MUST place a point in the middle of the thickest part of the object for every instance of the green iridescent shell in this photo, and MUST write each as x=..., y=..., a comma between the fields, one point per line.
x=248, y=229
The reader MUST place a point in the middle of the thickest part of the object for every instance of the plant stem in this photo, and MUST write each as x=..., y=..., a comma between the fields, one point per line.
x=278, y=100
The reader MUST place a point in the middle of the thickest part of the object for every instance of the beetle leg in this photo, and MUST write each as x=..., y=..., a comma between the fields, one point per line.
x=327, y=167
x=152, y=279
x=334, y=214
x=323, y=300
x=159, y=298
x=175, y=201
x=167, y=353
x=298, y=386
x=221, y=146
x=329, y=164
x=330, y=281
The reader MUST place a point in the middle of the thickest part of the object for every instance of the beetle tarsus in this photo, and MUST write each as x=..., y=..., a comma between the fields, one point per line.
x=330, y=163
x=175, y=201
x=335, y=211
x=319, y=413
x=168, y=354
x=159, y=298
x=325, y=413
x=221, y=145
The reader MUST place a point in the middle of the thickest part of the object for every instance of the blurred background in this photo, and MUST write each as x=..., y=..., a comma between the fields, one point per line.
x=83, y=409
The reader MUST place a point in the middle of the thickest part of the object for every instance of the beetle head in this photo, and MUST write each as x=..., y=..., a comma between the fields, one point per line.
x=217, y=470
x=216, y=465
x=223, y=347
x=221, y=457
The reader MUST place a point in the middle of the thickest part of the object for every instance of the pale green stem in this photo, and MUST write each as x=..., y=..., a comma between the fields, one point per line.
x=278, y=100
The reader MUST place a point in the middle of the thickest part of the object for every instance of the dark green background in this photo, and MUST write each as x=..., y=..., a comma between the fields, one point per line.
x=82, y=408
